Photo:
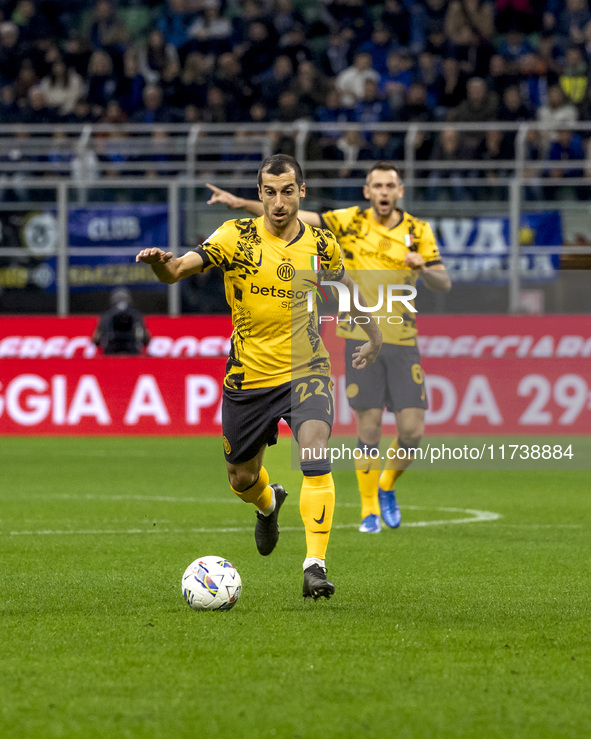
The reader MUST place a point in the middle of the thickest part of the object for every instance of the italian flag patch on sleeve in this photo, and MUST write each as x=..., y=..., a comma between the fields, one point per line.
x=315, y=263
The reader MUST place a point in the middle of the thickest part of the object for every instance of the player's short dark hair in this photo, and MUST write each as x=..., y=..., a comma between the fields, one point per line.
x=384, y=167
x=280, y=164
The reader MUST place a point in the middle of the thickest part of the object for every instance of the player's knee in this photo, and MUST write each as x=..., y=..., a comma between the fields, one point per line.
x=410, y=437
x=241, y=479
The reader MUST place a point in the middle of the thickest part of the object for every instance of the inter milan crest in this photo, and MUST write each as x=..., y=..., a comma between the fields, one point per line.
x=286, y=271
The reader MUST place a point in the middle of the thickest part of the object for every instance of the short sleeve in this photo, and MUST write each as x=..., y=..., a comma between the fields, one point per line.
x=219, y=248
x=338, y=221
x=428, y=246
x=331, y=259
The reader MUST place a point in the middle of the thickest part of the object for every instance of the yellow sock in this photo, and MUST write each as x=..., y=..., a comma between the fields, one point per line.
x=259, y=493
x=316, y=509
x=394, y=467
x=368, y=473
x=388, y=479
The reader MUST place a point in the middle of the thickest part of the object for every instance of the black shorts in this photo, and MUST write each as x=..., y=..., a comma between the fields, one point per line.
x=395, y=381
x=250, y=417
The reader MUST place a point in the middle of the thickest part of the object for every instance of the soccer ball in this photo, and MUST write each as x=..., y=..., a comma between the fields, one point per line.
x=211, y=584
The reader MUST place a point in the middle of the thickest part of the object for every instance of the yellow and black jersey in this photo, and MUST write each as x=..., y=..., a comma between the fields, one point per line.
x=370, y=251
x=267, y=282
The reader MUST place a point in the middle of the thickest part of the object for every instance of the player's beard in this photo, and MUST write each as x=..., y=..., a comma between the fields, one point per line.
x=385, y=209
x=282, y=218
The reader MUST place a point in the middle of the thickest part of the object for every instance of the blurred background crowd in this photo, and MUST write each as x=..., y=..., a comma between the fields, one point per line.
x=279, y=61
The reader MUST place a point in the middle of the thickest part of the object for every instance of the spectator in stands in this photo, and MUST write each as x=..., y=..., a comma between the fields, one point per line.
x=499, y=77
x=276, y=81
x=379, y=46
x=556, y=112
x=289, y=108
x=466, y=18
x=172, y=87
x=416, y=108
x=521, y=14
x=195, y=78
x=228, y=76
x=62, y=88
x=173, y=23
x=11, y=52
x=77, y=53
x=353, y=14
x=121, y=330
x=210, y=32
x=260, y=51
x=9, y=110
x=351, y=82
x=216, y=107
x=453, y=90
x=513, y=109
x=31, y=21
x=533, y=79
x=82, y=113
x=350, y=145
x=338, y=54
x=101, y=82
x=156, y=55
x=251, y=11
x=550, y=16
x=310, y=85
x=285, y=17
x=164, y=163
x=36, y=110
x=153, y=110
x=513, y=48
x=25, y=79
x=572, y=20
x=382, y=147
x=294, y=45
x=396, y=16
x=568, y=147
x=429, y=74
x=448, y=149
x=429, y=29
x=130, y=85
x=573, y=80
x=494, y=148
x=480, y=106
x=395, y=83
x=108, y=31
x=373, y=107
x=331, y=112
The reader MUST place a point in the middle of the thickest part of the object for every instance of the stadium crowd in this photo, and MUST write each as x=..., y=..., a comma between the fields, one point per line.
x=278, y=61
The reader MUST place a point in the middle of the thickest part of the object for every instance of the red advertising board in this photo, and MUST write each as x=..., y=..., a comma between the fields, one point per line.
x=485, y=374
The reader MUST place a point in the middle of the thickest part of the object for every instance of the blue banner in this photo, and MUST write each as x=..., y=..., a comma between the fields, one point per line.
x=137, y=226
x=477, y=249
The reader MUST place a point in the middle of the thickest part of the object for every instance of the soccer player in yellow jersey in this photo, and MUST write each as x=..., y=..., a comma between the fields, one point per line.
x=374, y=240
x=278, y=366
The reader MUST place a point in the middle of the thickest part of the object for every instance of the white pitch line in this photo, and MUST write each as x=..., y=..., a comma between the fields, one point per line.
x=475, y=517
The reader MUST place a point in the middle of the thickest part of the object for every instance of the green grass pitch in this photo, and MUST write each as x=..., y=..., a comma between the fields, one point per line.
x=449, y=626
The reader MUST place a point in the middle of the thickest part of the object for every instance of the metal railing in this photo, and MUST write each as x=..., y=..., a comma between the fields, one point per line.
x=80, y=162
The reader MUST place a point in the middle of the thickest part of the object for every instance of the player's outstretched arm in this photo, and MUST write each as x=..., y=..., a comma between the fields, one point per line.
x=254, y=207
x=169, y=268
x=366, y=354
